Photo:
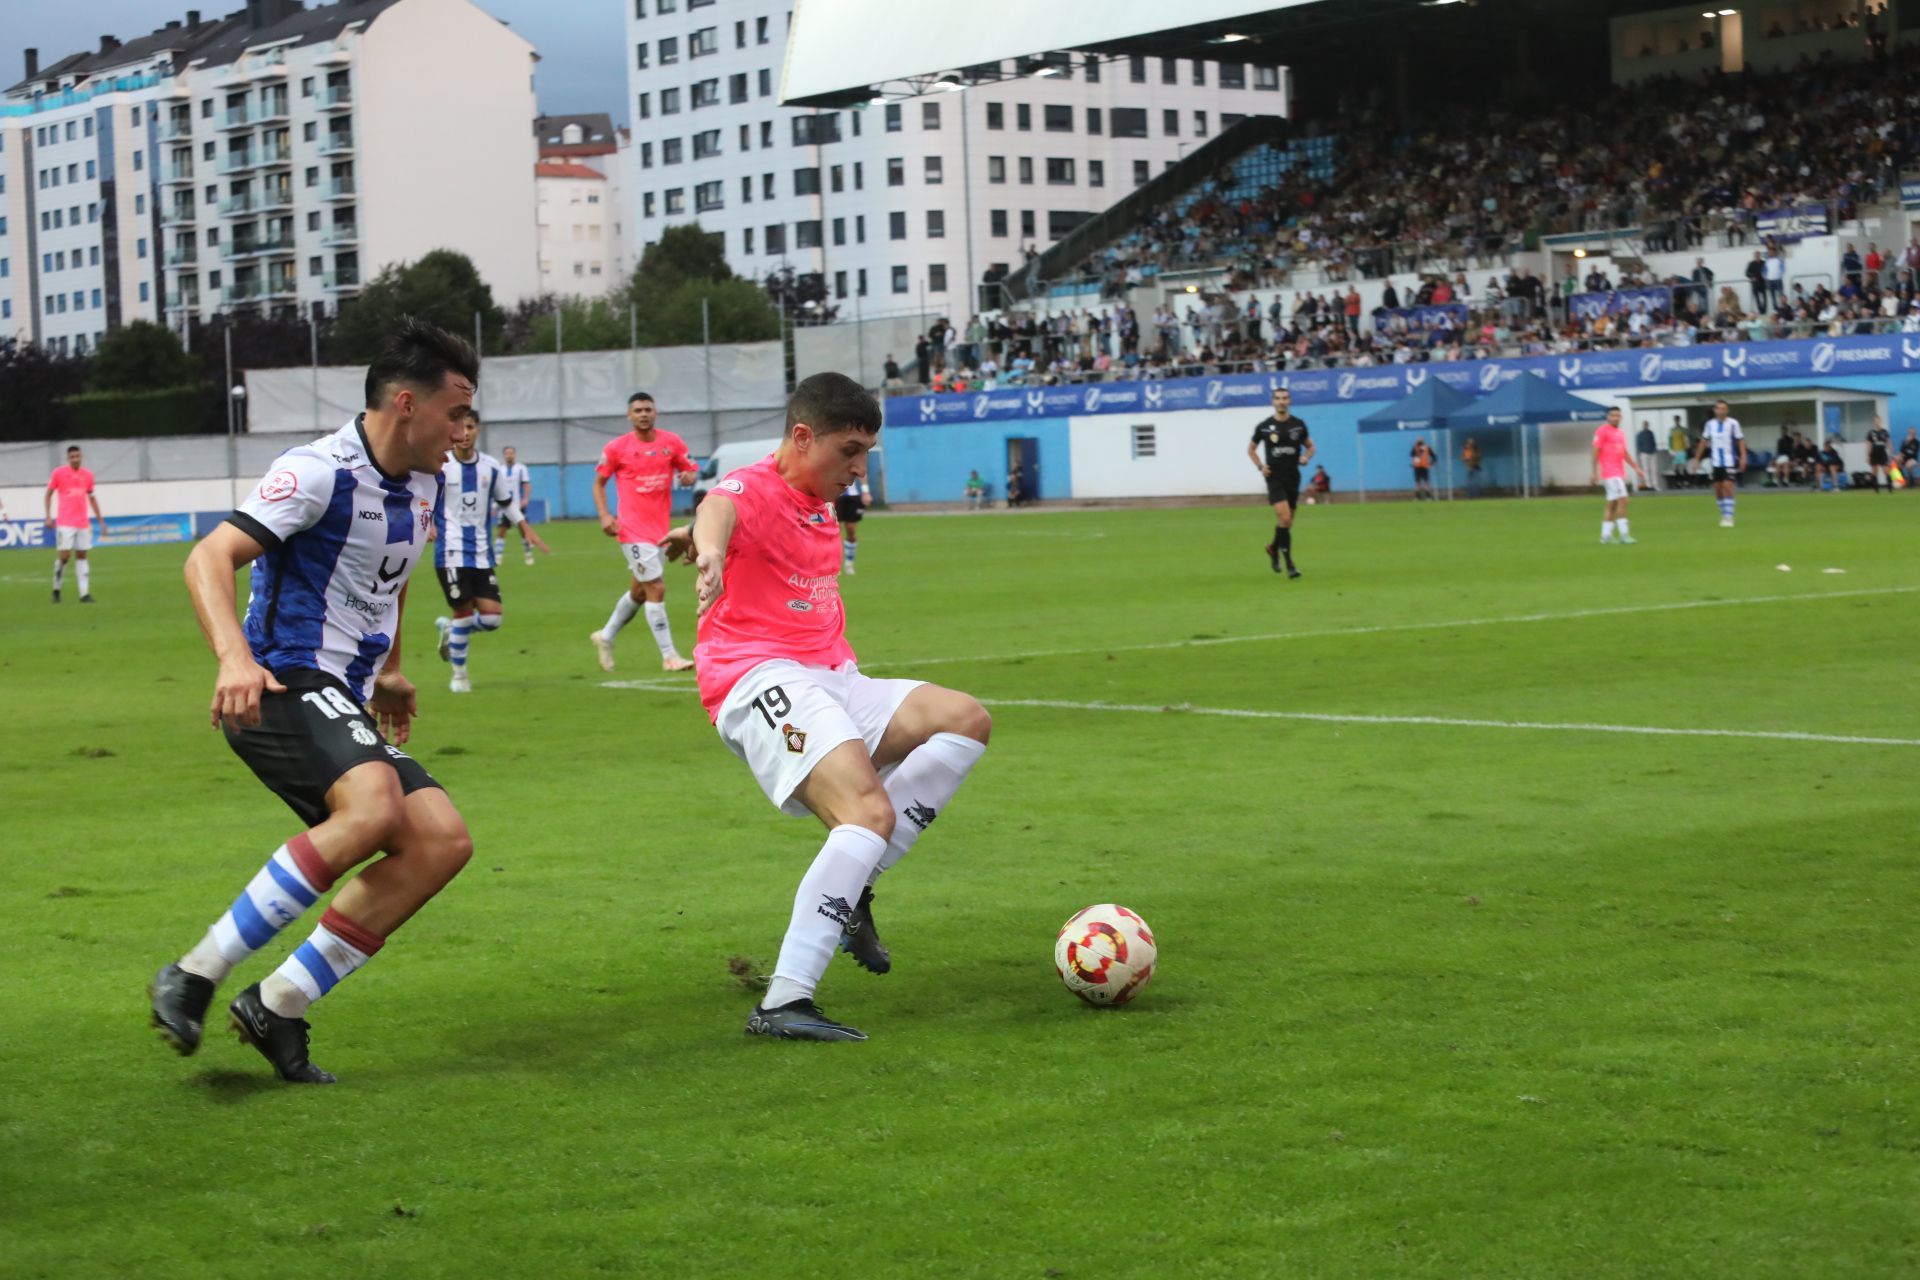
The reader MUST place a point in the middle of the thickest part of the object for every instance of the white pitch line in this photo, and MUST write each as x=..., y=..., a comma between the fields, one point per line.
x=1454, y=722
x=1385, y=628
x=1328, y=717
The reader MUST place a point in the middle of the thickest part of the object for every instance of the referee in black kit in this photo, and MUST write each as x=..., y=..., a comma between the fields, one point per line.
x=1281, y=448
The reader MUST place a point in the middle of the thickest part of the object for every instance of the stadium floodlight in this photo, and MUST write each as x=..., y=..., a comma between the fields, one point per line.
x=1232, y=37
x=1728, y=13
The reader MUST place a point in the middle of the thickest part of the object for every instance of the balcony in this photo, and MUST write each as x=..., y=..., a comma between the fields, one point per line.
x=243, y=293
x=236, y=162
x=337, y=144
x=338, y=189
x=183, y=257
x=341, y=233
x=341, y=281
x=237, y=118
x=282, y=287
x=277, y=198
x=177, y=130
x=174, y=175
x=337, y=98
x=238, y=207
x=271, y=108
x=189, y=303
x=176, y=216
x=273, y=64
x=238, y=249
x=280, y=157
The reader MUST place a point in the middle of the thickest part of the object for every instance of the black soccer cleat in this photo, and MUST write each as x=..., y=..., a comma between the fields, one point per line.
x=56, y=595
x=800, y=1020
x=861, y=938
x=1273, y=555
x=180, y=1001
x=86, y=599
x=1291, y=571
x=281, y=1041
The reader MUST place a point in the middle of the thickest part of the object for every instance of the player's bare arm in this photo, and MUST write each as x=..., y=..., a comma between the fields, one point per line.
x=607, y=524
x=1253, y=456
x=97, y=515
x=1307, y=457
x=712, y=530
x=210, y=574
x=533, y=539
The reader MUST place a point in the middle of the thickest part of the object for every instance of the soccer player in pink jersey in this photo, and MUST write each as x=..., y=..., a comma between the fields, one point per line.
x=644, y=465
x=1610, y=463
x=874, y=760
x=72, y=527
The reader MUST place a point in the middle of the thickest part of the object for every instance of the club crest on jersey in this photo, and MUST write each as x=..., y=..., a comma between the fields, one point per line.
x=279, y=486
x=796, y=739
x=363, y=735
x=731, y=486
x=818, y=517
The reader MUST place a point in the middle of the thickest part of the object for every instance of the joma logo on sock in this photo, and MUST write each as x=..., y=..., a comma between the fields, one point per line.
x=835, y=909
x=921, y=815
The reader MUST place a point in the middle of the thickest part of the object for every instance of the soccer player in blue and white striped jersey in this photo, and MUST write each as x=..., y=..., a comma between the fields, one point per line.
x=465, y=553
x=333, y=533
x=1724, y=445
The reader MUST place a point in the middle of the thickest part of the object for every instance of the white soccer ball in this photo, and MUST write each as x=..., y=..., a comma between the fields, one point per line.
x=1105, y=954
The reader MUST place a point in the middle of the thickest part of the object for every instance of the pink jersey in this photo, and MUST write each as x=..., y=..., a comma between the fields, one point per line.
x=73, y=487
x=781, y=596
x=643, y=487
x=1611, y=444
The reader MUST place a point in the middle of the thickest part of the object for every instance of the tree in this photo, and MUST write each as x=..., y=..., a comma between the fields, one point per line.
x=32, y=383
x=589, y=324
x=443, y=288
x=737, y=311
x=141, y=356
x=681, y=254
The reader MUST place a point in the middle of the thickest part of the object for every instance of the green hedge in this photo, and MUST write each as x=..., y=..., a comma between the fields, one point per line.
x=173, y=411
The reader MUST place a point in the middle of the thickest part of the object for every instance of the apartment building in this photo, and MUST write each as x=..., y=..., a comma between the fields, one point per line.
x=266, y=162
x=582, y=183
x=900, y=203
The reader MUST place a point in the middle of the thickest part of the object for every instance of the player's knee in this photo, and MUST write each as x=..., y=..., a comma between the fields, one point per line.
x=971, y=720
x=1284, y=519
x=874, y=811
x=372, y=819
x=451, y=850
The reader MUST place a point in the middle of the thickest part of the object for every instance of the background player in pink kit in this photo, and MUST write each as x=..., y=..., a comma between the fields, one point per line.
x=875, y=760
x=72, y=529
x=1610, y=463
x=644, y=464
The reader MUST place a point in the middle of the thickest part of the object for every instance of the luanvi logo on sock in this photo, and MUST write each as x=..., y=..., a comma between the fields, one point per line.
x=835, y=909
x=921, y=815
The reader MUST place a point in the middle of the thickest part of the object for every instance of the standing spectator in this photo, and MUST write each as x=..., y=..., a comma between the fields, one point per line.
x=1702, y=278
x=923, y=358
x=1649, y=451
x=1776, y=280
x=1875, y=263
x=892, y=371
x=1422, y=470
x=1353, y=310
x=1850, y=266
x=1470, y=458
x=1910, y=455
x=1783, y=457
x=1757, y=279
x=1390, y=297
x=1678, y=446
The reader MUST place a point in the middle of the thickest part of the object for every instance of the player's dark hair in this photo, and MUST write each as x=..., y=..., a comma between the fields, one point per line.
x=422, y=355
x=73, y=448
x=638, y=396
x=831, y=403
x=473, y=416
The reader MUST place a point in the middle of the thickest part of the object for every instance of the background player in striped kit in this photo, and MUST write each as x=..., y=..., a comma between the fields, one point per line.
x=520, y=480
x=333, y=533
x=849, y=509
x=1724, y=446
x=465, y=557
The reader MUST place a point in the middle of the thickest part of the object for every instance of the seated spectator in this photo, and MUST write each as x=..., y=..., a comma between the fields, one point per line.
x=1832, y=469
x=1320, y=485
x=976, y=490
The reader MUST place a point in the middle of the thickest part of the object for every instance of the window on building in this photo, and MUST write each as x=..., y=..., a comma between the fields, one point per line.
x=1092, y=66
x=1266, y=78
x=1061, y=222
x=777, y=238
x=737, y=88
x=670, y=151
x=896, y=172
x=1140, y=173
x=997, y=222
x=1026, y=170
x=746, y=189
x=706, y=144
x=1129, y=122
x=640, y=56
x=937, y=277
x=893, y=117
x=806, y=234
x=1056, y=119
x=676, y=200
x=740, y=34
x=703, y=42
x=859, y=174
x=766, y=133
x=929, y=115
x=806, y=182
x=811, y=131
x=708, y=195
x=936, y=224
x=1026, y=224
x=1023, y=116
x=759, y=30
x=766, y=186
x=837, y=178
x=839, y=284
x=859, y=228
x=1233, y=75
x=896, y=226
x=1170, y=122
x=996, y=168
x=706, y=93
x=1228, y=119
x=934, y=174
x=746, y=137
x=1096, y=173
x=1060, y=173
x=1137, y=69
x=1096, y=120
x=669, y=50
x=899, y=279
x=646, y=155
x=669, y=102
x=765, y=88
x=646, y=106
x=746, y=239
x=839, y=231
x=996, y=116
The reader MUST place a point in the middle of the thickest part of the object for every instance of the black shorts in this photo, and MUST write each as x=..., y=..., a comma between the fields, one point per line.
x=848, y=510
x=305, y=741
x=1282, y=487
x=1725, y=473
x=464, y=586
x=1877, y=458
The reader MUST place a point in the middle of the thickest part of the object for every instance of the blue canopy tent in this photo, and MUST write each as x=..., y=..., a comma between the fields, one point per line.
x=1526, y=401
x=1426, y=409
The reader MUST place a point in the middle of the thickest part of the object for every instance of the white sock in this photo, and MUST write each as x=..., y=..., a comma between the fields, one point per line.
x=499, y=548
x=59, y=573
x=84, y=570
x=488, y=621
x=622, y=614
x=821, y=909
x=662, y=633
x=335, y=949
x=1621, y=524
x=921, y=786
x=1606, y=531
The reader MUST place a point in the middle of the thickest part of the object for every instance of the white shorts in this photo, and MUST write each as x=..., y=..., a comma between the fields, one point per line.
x=72, y=538
x=784, y=716
x=1616, y=487
x=644, y=559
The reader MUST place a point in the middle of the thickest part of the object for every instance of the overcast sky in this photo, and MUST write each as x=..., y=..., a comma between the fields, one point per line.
x=581, y=42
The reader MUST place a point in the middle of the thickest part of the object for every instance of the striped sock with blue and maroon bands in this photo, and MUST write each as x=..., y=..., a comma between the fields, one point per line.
x=293, y=880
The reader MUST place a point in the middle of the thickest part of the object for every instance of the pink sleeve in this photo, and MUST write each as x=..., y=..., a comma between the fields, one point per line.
x=607, y=465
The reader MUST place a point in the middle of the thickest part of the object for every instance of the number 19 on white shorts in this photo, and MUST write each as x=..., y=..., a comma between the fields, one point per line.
x=783, y=717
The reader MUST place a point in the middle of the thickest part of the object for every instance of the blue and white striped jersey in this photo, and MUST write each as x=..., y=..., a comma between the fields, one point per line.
x=341, y=540
x=463, y=537
x=1722, y=436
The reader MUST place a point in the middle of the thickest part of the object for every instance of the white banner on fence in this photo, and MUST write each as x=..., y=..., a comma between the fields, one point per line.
x=529, y=388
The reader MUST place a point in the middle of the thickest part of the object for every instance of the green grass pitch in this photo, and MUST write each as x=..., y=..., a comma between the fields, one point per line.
x=1502, y=998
